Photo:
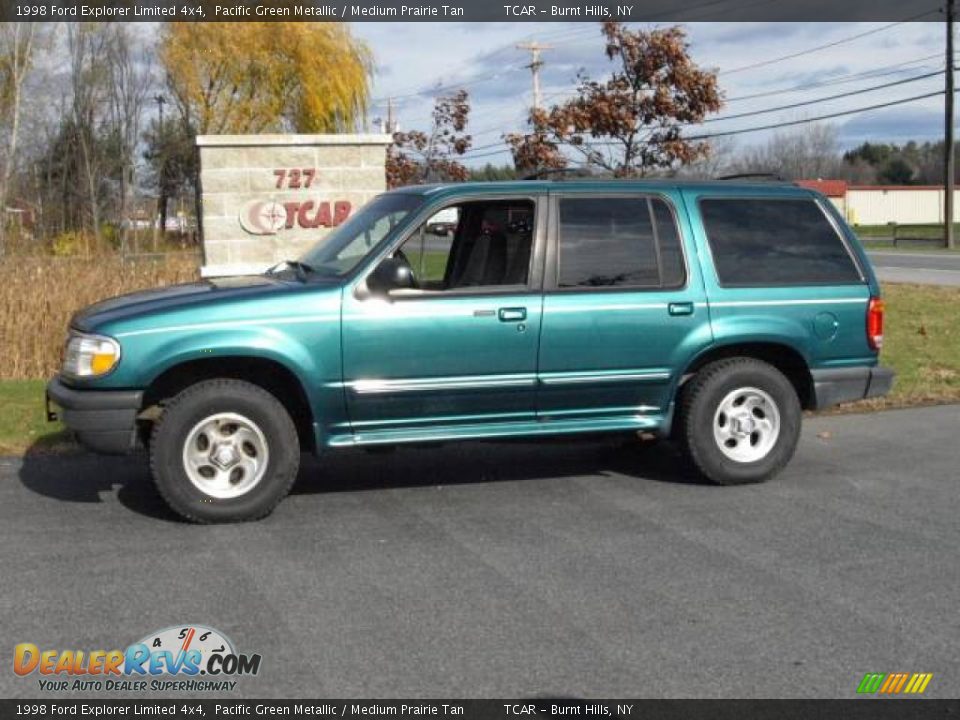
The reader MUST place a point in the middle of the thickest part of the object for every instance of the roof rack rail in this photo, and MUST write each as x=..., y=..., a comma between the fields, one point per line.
x=538, y=174
x=754, y=176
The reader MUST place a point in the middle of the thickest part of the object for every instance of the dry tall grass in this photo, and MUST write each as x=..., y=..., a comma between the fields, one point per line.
x=39, y=294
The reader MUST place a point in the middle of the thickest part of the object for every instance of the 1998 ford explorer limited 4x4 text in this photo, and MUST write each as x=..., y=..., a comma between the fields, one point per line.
x=712, y=313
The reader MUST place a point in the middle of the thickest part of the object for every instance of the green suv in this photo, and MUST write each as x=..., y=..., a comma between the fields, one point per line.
x=709, y=313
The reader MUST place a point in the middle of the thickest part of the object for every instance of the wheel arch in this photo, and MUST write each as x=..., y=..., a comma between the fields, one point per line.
x=266, y=373
x=783, y=356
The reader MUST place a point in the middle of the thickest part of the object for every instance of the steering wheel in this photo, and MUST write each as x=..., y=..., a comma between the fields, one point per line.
x=399, y=255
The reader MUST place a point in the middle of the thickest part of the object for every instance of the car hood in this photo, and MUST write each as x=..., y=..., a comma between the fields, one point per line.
x=146, y=302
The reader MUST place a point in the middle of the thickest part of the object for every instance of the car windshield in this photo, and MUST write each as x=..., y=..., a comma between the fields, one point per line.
x=340, y=251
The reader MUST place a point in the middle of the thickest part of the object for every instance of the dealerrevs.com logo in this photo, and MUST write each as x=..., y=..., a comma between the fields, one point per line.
x=184, y=657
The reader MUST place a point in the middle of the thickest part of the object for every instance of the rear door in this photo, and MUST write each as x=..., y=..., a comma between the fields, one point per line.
x=624, y=305
x=781, y=270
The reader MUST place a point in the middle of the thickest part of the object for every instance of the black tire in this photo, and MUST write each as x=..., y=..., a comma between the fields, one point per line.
x=699, y=409
x=191, y=408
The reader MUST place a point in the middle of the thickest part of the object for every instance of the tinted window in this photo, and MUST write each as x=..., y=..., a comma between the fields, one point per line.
x=775, y=242
x=671, y=257
x=610, y=242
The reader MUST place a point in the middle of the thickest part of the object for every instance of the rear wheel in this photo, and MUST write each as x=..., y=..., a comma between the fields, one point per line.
x=224, y=451
x=739, y=421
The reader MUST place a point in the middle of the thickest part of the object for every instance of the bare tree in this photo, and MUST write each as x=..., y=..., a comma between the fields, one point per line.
x=88, y=48
x=718, y=162
x=808, y=152
x=130, y=82
x=16, y=52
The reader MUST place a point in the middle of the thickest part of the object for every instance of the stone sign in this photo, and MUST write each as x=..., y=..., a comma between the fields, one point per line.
x=267, y=198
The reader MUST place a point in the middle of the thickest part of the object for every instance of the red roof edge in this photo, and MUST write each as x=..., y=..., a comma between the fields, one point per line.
x=830, y=188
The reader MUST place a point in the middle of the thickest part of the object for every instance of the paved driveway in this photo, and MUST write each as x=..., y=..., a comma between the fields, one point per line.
x=925, y=268
x=563, y=569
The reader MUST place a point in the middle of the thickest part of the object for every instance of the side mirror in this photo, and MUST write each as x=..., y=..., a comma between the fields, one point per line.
x=391, y=274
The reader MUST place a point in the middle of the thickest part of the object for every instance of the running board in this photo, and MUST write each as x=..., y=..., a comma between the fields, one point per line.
x=529, y=428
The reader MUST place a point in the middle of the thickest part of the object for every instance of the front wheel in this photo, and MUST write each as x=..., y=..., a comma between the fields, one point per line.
x=224, y=451
x=739, y=421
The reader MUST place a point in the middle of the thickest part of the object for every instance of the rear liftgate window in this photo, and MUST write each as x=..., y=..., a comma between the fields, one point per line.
x=618, y=242
x=761, y=242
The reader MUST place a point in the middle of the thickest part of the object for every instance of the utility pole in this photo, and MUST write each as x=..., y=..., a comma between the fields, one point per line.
x=160, y=100
x=535, y=64
x=161, y=227
x=948, y=150
x=390, y=126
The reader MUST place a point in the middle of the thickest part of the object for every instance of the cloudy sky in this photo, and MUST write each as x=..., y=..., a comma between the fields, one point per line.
x=761, y=65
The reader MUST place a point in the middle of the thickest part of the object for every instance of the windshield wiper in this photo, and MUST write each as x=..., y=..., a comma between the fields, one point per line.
x=300, y=268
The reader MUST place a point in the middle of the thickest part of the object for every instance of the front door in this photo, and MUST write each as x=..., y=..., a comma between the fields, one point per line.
x=622, y=306
x=460, y=348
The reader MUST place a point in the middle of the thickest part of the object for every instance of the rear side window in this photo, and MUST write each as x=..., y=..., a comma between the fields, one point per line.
x=618, y=242
x=758, y=242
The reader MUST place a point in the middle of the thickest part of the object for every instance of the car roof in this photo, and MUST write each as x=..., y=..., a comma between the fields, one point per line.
x=648, y=185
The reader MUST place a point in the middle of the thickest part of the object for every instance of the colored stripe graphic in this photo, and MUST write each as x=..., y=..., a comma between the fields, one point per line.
x=894, y=683
x=871, y=682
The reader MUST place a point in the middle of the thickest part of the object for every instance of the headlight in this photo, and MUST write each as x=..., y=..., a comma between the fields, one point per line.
x=90, y=355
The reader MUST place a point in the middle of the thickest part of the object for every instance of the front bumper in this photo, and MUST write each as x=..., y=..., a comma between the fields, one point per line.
x=103, y=420
x=837, y=385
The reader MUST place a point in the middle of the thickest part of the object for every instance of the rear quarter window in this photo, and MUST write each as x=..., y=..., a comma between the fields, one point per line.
x=769, y=242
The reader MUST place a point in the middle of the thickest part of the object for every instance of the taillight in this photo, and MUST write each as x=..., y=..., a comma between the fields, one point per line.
x=875, y=323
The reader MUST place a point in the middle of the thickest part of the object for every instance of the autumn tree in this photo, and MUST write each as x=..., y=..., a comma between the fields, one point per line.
x=256, y=77
x=417, y=157
x=632, y=122
x=537, y=152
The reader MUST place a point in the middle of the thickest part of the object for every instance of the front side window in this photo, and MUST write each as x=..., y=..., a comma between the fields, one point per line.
x=763, y=241
x=482, y=244
x=341, y=250
x=618, y=242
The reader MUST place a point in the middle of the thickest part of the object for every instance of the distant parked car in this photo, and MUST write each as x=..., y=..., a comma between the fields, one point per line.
x=443, y=223
x=709, y=313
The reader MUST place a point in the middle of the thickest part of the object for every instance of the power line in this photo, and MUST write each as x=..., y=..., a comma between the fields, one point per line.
x=850, y=93
x=817, y=48
x=839, y=80
x=789, y=123
x=741, y=131
x=569, y=33
x=792, y=106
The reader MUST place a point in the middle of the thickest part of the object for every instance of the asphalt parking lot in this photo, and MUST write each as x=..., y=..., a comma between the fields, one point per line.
x=577, y=569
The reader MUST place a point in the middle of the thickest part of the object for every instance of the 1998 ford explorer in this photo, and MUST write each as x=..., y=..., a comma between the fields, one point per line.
x=712, y=313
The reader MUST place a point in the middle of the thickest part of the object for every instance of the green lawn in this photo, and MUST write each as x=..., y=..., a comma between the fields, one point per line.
x=924, y=238
x=920, y=231
x=23, y=422
x=922, y=335
x=431, y=266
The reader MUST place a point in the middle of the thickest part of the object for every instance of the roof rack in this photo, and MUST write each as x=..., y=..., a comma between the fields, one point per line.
x=538, y=174
x=754, y=176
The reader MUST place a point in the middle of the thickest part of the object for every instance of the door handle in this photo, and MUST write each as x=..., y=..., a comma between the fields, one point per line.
x=512, y=314
x=680, y=308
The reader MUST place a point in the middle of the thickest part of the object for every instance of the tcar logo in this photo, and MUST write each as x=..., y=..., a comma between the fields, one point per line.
x=268, y=217
x=263, y=217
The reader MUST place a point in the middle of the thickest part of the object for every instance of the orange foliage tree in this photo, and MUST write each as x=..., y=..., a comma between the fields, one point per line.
x=632, y=122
